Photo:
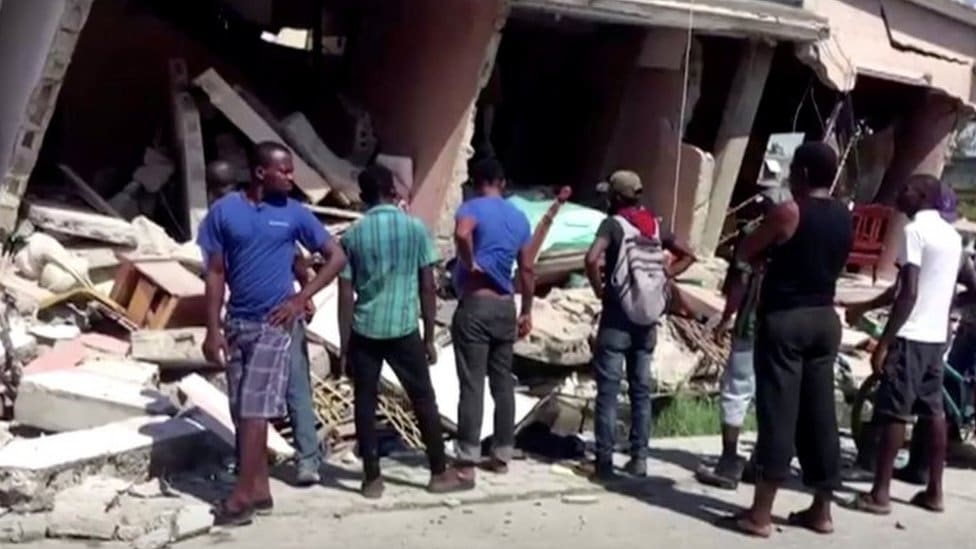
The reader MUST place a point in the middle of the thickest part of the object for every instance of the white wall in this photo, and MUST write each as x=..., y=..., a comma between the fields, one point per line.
x=27, y=29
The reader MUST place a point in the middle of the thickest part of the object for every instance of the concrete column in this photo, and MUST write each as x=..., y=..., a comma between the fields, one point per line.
x=921, y=145
x=37, y=40
x=733, y=136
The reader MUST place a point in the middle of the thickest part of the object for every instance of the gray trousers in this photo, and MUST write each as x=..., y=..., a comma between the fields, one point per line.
x=738, y=384
x=483, y=333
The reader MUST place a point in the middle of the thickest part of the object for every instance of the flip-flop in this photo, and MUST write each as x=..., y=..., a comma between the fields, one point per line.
x=865, y=503
x=225, y=516
x=919, y=500
x=740, y=523
x=800, y=520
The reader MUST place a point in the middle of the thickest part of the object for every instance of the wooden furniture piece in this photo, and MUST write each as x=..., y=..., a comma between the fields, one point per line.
x=159, y=294
x=870, y=225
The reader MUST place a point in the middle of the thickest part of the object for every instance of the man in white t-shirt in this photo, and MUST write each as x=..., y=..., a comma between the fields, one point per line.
x=909, y=354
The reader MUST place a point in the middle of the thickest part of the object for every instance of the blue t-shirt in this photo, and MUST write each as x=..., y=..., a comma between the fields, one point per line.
x=500, y=231
x=258, y=245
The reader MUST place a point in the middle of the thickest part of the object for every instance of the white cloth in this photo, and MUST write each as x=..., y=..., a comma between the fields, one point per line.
x=934, y=246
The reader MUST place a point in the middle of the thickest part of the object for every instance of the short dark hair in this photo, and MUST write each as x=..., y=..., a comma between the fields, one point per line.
x=376, y=182
x=261, y=154
x=930, y=188
x=487, y=170
x=820, y=162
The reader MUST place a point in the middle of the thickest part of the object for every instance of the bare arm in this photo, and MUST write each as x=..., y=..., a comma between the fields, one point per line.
x=335, y=260
x=214, y=291
x=428, y=301
x=685, y=257
x=526, y=275
x=903, y=304
x=734, y=295
x=777, y=227
x=592, y=264
x=464, y=241
x=301, y=267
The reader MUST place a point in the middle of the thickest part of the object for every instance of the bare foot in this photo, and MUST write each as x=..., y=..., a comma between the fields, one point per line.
x=744, y=524
x=812, y=521
x=928, y=502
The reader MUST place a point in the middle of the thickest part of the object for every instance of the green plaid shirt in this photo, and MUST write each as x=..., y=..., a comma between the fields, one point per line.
x=386, y=250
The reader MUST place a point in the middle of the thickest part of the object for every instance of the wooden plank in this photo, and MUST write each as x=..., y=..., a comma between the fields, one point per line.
x=341, y=173
x=733, y=136
x=89, y=194
x=142, y=299
x=257, y=130
x=172, y=277
x=334, y=212
x=160, y=318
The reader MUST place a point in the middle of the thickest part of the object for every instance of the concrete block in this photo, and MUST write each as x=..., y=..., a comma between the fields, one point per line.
x=22, y=528
x=216, y=413
x=179, y=348
x=157, y=539
x=83, y=224
x=88, y=510
x=69, y=400
x=192, y=520
x=340, y=173
x=33, y=470
x=142, y=374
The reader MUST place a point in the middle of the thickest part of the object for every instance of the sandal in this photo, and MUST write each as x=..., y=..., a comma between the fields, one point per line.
x=865, y=503
x=801, y=519
x=225, y=516
x=921, y=500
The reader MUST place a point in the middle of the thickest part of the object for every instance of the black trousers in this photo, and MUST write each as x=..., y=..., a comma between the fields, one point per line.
x=408, y=358
x=794, y=361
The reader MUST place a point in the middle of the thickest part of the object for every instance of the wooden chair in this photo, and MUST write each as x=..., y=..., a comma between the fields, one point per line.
x=870, y=225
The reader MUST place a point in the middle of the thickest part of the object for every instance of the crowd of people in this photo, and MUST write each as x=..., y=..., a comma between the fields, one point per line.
x=780, y=310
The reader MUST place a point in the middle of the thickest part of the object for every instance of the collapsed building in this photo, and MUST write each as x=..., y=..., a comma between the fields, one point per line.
x=112, y=110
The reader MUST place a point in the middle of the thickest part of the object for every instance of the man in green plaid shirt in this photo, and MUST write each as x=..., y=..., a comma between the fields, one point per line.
x=390, y=269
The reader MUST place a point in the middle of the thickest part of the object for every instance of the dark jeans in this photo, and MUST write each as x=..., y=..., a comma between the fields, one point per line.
x=623, y=346
x=483, y=332
x=408, y=358
x=795, y=354
x=301, y=411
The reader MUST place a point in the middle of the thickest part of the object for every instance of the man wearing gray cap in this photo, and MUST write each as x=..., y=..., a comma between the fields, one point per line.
x=632, y=286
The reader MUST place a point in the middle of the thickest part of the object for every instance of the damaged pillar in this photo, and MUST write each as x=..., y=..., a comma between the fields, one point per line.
x=37, y=40
x=733, y=136
x=921, y=144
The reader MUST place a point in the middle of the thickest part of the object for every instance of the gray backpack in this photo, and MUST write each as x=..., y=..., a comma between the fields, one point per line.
x=638, y=279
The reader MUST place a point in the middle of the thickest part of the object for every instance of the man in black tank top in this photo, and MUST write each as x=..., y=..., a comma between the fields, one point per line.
x=805, y=244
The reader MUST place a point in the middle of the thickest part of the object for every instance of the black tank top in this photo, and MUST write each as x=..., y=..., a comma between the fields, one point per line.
x=803, y=271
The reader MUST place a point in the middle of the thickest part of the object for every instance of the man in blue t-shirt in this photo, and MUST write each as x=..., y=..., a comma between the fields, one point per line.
x=491, y=236
x=248, y=241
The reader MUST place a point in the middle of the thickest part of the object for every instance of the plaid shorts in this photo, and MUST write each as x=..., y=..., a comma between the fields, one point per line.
x=257, y=369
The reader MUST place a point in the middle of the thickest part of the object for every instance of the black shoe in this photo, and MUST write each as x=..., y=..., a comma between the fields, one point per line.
x=225, y=516
x=603, y=472
x=912, y=475
x=748, y=475
x=636, y=467
x=725, y=475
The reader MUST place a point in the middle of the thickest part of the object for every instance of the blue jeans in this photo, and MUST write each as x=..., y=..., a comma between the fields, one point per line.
x=301, y=412
x=621, y=343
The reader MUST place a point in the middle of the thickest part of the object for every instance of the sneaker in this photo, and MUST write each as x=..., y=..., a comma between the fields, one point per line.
x=636, y=467
x=449, y=481
x=372, y=489
x=307, y=475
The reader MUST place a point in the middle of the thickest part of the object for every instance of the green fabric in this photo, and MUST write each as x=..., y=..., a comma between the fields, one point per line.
x=744, y=327
x=385, y=251
x=574, y=227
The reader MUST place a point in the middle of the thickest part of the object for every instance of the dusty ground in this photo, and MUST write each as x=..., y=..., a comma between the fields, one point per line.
x=530, y=510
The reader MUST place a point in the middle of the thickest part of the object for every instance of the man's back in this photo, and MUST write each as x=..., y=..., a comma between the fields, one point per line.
x=501, y=230
x=385, y=250
x=935, y=247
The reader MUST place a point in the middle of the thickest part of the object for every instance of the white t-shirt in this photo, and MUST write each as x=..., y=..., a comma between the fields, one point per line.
x=935, y=247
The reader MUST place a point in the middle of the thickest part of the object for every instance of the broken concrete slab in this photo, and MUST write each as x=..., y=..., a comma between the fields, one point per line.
x=157, y=539
x=172, y=349
x=69, y=400
x=340, y=173
x=192, y=520
x=27, y=295
x=33, y=470
x=88, y=510
x=84, y=224
x=216, y=413
x=230, y=103
x=22, y=528
x=189, y=144
x=139, y=373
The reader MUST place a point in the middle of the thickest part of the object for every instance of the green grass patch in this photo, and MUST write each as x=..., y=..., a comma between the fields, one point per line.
x=686, y=415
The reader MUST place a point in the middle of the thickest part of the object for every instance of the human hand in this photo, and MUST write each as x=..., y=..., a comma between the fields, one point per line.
x=215, y=348
x=524, y=325
x=293, y=307
x=878, y=358
x=431, y=349
x=720, y=327
x=309, y=310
